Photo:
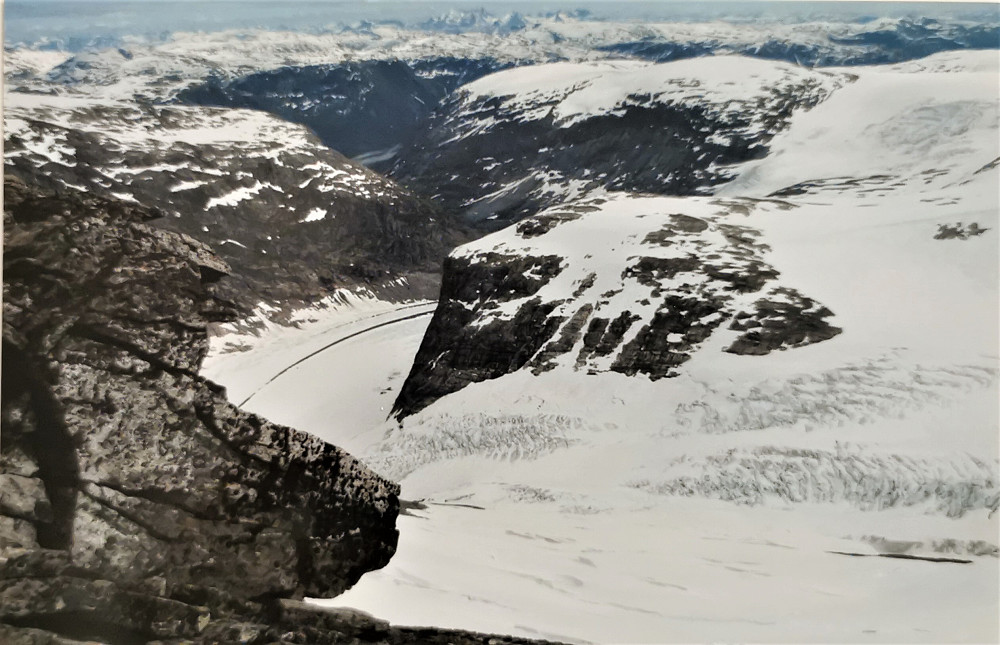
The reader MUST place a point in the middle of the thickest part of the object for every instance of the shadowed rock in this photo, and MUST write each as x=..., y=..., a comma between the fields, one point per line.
x=136, y=504
x=123, y=464
x=468, y=354
x=680, y=280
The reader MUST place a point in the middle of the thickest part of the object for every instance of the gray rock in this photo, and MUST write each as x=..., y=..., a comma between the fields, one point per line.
x=132, y=491
x=684, y=297
x=374, y=231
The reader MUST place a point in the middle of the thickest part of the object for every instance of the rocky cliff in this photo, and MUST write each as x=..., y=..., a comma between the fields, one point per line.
x=632, y=284
x=136, y=504
x=506, y=146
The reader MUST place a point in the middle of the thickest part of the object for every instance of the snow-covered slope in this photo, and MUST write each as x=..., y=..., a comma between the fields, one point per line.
x=926, y=127
x=619, y=283
x=373, y=338
x=293, y=218
x=182, y=58
x=637, y=281
x=714, y=495
x=574, y=92
x=511, y=143
x=382, y=77
x=160, y=70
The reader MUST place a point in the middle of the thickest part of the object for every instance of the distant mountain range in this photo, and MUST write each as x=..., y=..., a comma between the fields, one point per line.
x=405, y=101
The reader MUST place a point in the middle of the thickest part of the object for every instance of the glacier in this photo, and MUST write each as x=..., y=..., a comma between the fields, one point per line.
x=585, y=505
x=744, y=376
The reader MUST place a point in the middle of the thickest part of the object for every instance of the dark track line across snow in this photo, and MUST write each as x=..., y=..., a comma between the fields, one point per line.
x=902, y=556
x=329, y=345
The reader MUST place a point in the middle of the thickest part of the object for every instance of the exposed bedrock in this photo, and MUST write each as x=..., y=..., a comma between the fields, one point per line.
x=295, y=220
x=543, y=295
x=136, y=504
x=508, y=172
x=518, y=154
x=468, y=352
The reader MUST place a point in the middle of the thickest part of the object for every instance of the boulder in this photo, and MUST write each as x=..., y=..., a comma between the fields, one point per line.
x=137, y=504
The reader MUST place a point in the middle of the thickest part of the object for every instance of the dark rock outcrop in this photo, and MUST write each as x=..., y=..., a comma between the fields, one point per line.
x=958, y=231
x=680, y=279
x=136, y=465
x=357, y=107
x=784, y=318
x=505, y=171
x=136, y=504
x=470, y=353
x=285, y=622
x=496, y=161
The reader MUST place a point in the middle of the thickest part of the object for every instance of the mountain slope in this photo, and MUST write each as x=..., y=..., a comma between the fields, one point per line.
x=701, y=493
x=137, y=505
x=509, y=144
x=367, y=108
x=615, y=283
x=740, y=477
x=295, y=219
x=638, y=281
x=133, y=492
x=813, y=37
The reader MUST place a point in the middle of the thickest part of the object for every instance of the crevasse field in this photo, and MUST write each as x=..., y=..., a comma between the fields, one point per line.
x=750, y=498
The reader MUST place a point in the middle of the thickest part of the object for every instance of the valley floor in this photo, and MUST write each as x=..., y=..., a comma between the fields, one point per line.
x=545, y=538
x=761, y=497
x=677, y=571
x=354, y=356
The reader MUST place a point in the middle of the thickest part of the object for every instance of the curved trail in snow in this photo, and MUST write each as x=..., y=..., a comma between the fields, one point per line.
x=329, y=345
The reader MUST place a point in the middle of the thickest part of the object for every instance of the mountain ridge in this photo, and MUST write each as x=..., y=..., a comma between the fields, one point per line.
x=295, y=219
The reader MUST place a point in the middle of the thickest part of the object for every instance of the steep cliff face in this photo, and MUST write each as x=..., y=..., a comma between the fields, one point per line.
x=365, y=108
x=612, y=283
x=457, y=350
x=134, y=497
x=510, y=144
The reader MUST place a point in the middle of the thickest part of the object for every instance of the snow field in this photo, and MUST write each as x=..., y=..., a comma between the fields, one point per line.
x=574, y=92
x=605, y=508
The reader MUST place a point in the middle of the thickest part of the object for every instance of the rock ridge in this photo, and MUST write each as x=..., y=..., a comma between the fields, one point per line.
x=136, y=503
x=619, y=283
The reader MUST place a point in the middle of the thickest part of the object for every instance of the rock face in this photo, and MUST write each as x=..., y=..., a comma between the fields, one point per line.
x=513, y=143
x=294, y=219
x=618, y=283
x=359, y=108
x=134, y=497
x=472, y=353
